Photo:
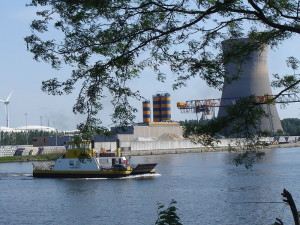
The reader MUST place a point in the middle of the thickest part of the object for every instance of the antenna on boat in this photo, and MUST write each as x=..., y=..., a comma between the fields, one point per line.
x=118, y=148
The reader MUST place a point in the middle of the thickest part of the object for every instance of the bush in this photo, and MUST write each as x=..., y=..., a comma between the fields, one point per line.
x=168, y=215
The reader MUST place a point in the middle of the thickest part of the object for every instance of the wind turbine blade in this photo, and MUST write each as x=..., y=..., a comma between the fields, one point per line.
x=7, y=100
x=2, y=100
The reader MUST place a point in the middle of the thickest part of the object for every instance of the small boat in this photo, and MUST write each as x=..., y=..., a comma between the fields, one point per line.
x=81, y=161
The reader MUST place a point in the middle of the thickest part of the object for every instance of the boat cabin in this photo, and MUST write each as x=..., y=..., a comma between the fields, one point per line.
x=80, y=149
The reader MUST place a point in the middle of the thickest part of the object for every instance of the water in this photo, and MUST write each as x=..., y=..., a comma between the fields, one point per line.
x=208, y=189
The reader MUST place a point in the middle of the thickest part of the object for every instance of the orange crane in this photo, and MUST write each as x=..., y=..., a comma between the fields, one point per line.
x=207, y=106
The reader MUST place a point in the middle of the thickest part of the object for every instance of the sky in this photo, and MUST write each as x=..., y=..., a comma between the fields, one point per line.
x=23, y=75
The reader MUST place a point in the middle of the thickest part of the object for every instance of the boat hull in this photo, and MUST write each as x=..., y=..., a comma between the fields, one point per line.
x=83, y=174
x=138, y=170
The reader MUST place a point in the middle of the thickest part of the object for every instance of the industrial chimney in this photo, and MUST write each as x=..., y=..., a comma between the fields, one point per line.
x=253, y=79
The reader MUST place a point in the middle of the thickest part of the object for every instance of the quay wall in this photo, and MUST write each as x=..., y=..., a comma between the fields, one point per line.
x=172, y=144
x=7, y=150
x=200, y=149
x=29, y=150
x=144, y=147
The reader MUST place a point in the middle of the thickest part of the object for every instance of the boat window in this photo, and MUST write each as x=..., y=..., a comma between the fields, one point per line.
x=103, y=161
x=71, y=162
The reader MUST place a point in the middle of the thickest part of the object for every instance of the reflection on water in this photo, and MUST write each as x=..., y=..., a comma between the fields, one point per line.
x=208, y=187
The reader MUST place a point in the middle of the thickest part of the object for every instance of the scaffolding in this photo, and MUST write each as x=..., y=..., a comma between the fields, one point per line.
x=206, y=107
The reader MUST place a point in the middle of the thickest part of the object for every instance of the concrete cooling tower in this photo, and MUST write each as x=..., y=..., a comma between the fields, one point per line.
x=253, y=80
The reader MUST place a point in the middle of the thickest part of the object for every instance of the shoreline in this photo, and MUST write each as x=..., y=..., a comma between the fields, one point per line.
x=199, y=150
x=50, y=157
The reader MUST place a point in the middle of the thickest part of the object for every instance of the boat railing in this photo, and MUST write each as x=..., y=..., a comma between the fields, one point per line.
x=43, y=165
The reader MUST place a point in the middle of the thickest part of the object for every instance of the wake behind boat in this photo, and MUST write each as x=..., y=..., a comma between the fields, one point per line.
x=81, y=161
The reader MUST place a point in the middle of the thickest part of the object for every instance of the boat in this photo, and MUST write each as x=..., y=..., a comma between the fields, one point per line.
x=82, y=161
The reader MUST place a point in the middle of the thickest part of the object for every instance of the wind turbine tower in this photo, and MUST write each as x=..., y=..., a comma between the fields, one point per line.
x=6, y=102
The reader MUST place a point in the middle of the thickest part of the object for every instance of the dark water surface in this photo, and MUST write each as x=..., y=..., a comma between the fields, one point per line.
x=209, y=189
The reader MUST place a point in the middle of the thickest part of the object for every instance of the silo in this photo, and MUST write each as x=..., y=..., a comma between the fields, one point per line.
x=156, y=108
x=253, y=79
x=165, y=107
x=146, y=111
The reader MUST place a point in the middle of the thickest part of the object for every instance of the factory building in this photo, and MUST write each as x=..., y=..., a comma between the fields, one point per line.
x=253, y=79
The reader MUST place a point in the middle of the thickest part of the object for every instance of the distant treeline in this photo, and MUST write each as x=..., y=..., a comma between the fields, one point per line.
x=291, y=126
x=23, y=138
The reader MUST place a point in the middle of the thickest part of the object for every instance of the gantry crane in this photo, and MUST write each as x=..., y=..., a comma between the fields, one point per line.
x=207, y=106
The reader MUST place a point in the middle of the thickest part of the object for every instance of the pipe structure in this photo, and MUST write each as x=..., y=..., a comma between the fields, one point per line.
x=252, y=79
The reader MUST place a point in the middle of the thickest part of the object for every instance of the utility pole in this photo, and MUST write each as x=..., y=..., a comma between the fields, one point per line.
x=26, y=129
x=55, y=134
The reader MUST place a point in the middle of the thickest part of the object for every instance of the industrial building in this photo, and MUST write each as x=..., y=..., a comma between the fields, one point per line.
x=28, y=128
x=160, y=130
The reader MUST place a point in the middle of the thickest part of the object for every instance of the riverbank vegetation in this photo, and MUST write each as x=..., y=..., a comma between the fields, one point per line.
x=48, y=157
x=291, y=126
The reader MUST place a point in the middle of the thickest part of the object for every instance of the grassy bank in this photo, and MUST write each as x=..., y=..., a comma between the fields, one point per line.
x=48, y=157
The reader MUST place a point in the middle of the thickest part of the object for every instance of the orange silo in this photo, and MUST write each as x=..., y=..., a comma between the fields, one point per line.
x=146, y=111
x=165, y=109
x=156, y=108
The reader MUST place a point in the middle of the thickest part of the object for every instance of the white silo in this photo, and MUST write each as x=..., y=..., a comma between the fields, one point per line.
x=253, y=79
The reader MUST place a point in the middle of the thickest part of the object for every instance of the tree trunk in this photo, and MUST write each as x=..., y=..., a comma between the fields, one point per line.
x=289, y=200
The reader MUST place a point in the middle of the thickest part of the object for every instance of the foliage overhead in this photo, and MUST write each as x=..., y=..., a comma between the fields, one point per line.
x=110, y=42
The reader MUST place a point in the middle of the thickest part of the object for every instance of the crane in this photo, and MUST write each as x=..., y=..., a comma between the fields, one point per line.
x=207, y=106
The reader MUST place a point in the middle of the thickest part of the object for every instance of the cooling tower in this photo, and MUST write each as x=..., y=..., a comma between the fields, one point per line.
x=146, y=111
x=253, y=80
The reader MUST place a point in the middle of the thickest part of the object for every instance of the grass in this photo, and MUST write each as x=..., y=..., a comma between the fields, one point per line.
x=48, y=157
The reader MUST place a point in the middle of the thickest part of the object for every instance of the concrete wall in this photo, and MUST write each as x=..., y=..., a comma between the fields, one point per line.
x=158, y=145
x=151, y=132
x=51, y=150
x=7, y=150
x=28, y=150
x=185, y=144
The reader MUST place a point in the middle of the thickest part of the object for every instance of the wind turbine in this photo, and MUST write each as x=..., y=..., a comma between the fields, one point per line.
x=6, y=102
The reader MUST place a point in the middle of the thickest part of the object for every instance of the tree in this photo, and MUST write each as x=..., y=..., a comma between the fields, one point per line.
x=291, y=126
x=110, y=42
x=168, y=215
